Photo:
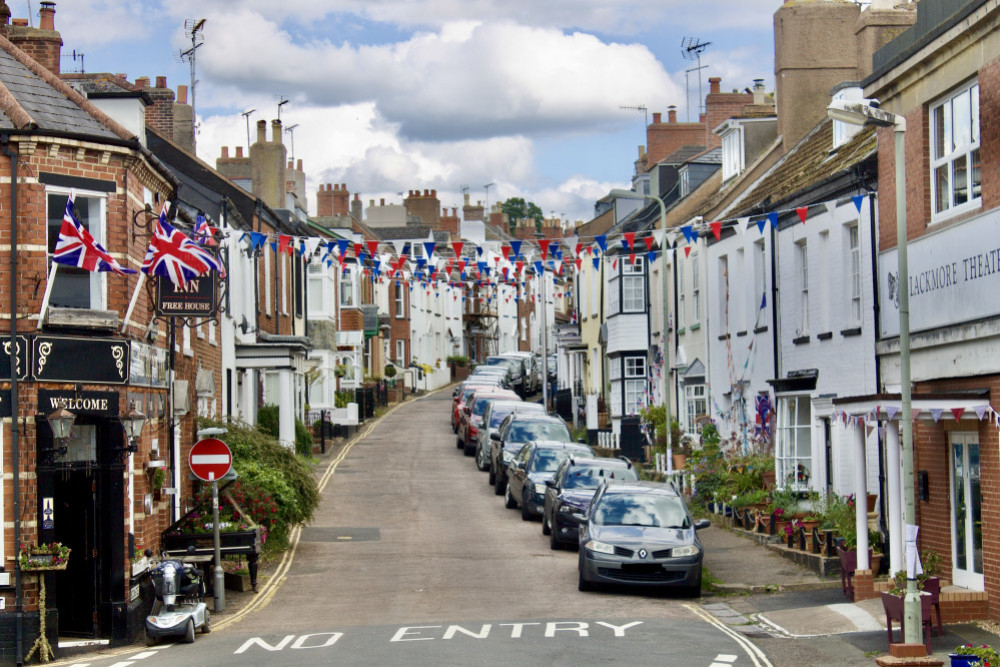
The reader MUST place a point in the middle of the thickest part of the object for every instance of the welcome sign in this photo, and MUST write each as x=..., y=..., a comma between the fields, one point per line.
x=954, y=277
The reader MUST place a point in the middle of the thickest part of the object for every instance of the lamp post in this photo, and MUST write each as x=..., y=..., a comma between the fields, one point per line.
x=860, y=113
x=629, y=194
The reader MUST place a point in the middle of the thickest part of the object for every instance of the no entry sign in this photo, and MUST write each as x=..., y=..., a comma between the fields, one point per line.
x=210, y=459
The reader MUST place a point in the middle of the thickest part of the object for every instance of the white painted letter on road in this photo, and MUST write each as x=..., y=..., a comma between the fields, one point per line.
x=400, y=635
x=332, y=639
x=552, y=628
x=263, y=644
x=455, y=629
x=619, y=630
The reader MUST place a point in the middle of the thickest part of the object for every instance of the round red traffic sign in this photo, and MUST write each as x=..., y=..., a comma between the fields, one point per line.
x=210, y=459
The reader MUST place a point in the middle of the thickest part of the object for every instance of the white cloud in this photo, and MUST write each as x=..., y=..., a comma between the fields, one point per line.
x=102, y=22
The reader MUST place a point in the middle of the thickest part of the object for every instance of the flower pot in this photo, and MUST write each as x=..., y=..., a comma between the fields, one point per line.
x=958, y=660
x=872, y=500
x=236, y=582
x=769, y=479
x=679, y=461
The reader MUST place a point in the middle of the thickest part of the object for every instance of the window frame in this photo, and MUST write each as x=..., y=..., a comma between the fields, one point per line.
x=802, y=251
x=786, y=459
x=695, y=289
x=855, y=293
x=97, y=279
x=347, y=282
x=695, y=395
x=952, y=152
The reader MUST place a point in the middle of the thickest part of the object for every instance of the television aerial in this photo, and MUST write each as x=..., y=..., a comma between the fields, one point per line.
x=691, y=49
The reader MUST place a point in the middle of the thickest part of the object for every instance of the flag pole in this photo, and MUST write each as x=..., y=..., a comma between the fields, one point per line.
x=135, y=297
x=48, y=293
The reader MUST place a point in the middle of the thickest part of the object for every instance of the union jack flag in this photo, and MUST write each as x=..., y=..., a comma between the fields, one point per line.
x=77, y=247
x=173, y=255
x=203, y=232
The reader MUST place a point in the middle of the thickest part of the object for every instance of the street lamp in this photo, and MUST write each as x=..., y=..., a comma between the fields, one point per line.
x=861, y=113
x=61, y=422
x=630, y=194
x=132, y=421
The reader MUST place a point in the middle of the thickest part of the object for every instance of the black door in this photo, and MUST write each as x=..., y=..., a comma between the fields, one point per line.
x=74, y=499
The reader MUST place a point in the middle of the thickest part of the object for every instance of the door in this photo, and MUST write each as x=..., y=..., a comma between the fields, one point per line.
x=76, y=527
x=966, y=511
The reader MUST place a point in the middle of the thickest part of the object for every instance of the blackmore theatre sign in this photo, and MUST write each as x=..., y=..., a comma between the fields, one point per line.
x=954, y=277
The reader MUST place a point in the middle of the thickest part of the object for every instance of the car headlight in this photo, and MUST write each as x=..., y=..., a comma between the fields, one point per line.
x=599, y=547
x=507, y=457
x=540, y=489
x=691, y=550
x=567, y=509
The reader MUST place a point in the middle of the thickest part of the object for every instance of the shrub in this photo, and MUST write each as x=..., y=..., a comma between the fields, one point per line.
x=342, y=398
x=267, y=420
x=303, y=439
x=390, y=371
x=457, y=360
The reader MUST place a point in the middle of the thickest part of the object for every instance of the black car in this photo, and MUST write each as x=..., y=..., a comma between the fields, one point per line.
x=531, y=468
x=516, y=431
x=515, y=369
x=640, y=534
x=569, y=492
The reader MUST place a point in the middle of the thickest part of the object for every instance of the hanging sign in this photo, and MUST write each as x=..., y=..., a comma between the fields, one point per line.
x=78, y=359
x=197, y=298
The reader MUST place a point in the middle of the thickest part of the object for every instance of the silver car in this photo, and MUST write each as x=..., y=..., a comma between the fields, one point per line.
x=495, y=413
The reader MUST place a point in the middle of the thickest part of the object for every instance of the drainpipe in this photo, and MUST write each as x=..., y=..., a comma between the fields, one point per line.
x=876, y=308
x=15, y=439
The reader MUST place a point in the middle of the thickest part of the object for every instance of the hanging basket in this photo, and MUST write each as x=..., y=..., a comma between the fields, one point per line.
x=42, y=559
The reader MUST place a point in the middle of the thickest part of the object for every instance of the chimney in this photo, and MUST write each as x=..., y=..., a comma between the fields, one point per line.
x=714, y=84
x=4, y=19
x=142, y=82
x=47, y=16
x=758, y=91
x=267, y=166
x=239, y=151
x=381, y=202
x=671, y=114
x=815, y=48
x=299, y=165
x=657, y=117
x=225, y=151
x=261, y=131
x=356, y=209
x=324, y=201
x=276, y=130
x=182, y=94
x=161, y=82
x=341, y=199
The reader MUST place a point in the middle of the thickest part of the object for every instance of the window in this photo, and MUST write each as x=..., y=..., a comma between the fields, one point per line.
x=633, y=287
x=732, y=153
x=794, y=442
x=854, y=250
x=802, y=249
x=759, y=275
x=681, y=308
x=401, y=352
x=724, y=294
x=267, y=283
x=614, y=296
x=348, y=298
x=400, y=301
x=186, y=338
x=695, y=405
x=842, y=132
x=955, y=181
x=272, y=388
x=685, y=182
x=695, y=288
x=73, y=287
x=283, y=285
x=634, y=383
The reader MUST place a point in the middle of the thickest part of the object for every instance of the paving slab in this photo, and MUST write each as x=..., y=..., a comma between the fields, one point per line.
x=739, y=562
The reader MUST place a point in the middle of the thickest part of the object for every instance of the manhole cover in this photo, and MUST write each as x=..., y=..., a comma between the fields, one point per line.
x=318, y=534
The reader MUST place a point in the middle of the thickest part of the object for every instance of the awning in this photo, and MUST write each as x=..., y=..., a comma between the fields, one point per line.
x=351, y=338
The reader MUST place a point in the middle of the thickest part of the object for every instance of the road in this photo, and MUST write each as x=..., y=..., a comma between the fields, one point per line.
x=411, y=559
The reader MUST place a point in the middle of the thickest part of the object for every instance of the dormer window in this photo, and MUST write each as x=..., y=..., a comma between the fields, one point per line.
x=733, y=158
x=843, y=132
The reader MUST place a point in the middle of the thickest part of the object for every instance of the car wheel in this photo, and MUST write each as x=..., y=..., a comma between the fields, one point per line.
x=546, y=530
x=480, y=461
x=498, y=485
x=554, y=541
x=206, y=627
x=493, y=476
x=508, y=500
x=189, y=632
x=525, y=512
x=458, y=442
x=470, y=449
x=584, y=585
x=151, y=641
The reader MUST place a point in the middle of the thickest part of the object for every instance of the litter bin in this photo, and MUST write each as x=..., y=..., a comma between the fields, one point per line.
x=564, y=403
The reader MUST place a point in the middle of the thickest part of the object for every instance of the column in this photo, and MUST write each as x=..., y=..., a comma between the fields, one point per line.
x=861, y=494
x=895, y=524
x=286, y=408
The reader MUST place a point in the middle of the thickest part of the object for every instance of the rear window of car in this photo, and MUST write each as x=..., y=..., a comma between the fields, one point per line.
x=549, y=460
x=479, y=407
x=589, y=477
x=525, y=431
x=644, y=510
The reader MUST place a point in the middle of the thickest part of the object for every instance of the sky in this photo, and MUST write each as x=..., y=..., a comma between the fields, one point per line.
x=390, y=96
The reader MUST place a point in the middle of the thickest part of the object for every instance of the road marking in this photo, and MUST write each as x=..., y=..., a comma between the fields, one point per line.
x=751, y=649
x=344, y=537
x=144, y=655
x=724, y=660
x=122, y=664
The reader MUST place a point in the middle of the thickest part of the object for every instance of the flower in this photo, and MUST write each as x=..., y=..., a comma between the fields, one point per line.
x=987, y=654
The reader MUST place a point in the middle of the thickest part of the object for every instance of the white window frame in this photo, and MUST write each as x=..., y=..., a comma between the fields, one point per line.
x=793, y=450
x=695, y=404
x=732, y=152
x=614, y=297
x=633, y=287
x=759, y=275
x=401, y=352
x=854, y=294
x=349, y=284
x=400, y=300
x=695, y=287
x=724, y=296
x=802, y=250
x=681, y=306
x=950, y=146
x=283, y=286
x=267, y=282
x=98, y=279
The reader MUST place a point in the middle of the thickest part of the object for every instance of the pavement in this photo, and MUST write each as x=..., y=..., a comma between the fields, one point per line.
x=799, y=617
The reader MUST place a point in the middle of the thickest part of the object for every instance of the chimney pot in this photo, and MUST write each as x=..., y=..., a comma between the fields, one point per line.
x=225, y=151
x=239, y=151
x=47, y=14
x=434, y=193
x=331, y=187
x=182, y=94
x=427, y=193
x=276, y=130
x=714, y=84
x=291, y=164
x=701, y=118
x=657, y=117
x=343, y=186
x=161, y=82
x=371, y=203
x=142, y=82
x=672, y=114
x=261, y=131
x=381, y=202
x=357, y=197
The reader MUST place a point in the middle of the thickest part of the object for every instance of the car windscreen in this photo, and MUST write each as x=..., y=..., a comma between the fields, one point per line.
x=589, y=477
x=525, y=431
x=548, y=460
x=467, y=395
x=645, y=510
x=479, y=406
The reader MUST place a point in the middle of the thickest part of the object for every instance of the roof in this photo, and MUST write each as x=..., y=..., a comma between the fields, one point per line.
x=682, y=155
x=32, y=98
x=710, y=156
x=406, y=233
x=812, y=161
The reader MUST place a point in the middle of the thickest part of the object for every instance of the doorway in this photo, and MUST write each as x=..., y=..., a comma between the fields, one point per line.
x=966, y=511
x=75, y=501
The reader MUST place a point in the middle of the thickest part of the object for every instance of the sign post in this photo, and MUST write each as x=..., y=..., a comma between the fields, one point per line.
x=211, y=459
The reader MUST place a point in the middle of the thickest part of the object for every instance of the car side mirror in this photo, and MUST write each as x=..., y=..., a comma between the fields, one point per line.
x=580, y=516
x=550, y=483
x=702, y=523
x=495, y=436
x=582, y=441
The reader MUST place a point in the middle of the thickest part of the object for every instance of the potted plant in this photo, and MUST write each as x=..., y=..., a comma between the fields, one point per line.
x=159, y=477
x=967, y=655
x=38, y=557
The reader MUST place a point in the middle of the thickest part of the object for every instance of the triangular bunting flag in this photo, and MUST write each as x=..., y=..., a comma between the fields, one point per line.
x=936, y=413
x=760, y=225
x=689, y=234
x=544, y=245
x=773, y=218
x=890, y=411
x=629, y=240
x=803, y=212
x=648, y=240
x=687, y=251
x=980, y=411
x=457, y=245
x=858, y=200
x=602, y=242
x=716, y=228
x=915, y=414
x=372, y=247
x=958, y=412
x=515, y=247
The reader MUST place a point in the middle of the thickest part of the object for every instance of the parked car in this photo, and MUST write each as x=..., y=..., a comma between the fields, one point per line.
x=496, y=374
x=495, y=413
x=464, y=394
x=531, y=468
x=515, y=432
x=471, y=415
x=640, y=534
x=569, y=493
x=515, y=370
x=532, y=378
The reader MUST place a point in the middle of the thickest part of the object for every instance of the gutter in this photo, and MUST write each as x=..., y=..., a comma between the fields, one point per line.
x=15, y=435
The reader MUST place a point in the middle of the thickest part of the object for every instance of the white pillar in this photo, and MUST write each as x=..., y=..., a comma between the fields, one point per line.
x=286, y=408
x=895, y=504
x=861, y=494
